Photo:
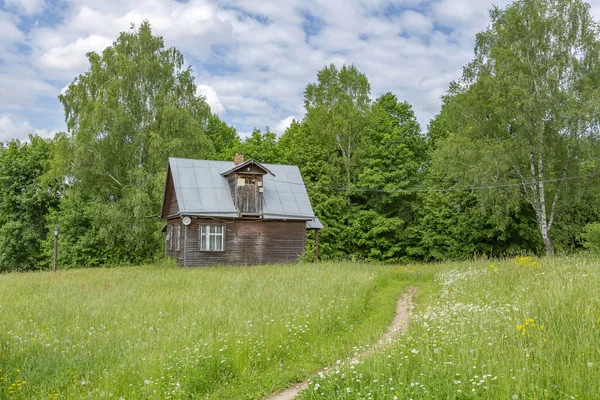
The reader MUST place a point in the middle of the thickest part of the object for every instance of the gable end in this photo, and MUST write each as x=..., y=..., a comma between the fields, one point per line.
x=169, y=206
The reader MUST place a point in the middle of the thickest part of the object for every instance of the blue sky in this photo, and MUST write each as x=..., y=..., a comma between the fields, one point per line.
x=251, y=59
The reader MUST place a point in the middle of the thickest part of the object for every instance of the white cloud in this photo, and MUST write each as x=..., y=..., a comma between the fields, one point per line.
x=211, y=98
x=284, y=124
x=13, y=128
x=252, y=58
x=414, y=22
x=20, y=87
x=194, y=26
x=9, y=33
x=72, y=57
x=26, y=7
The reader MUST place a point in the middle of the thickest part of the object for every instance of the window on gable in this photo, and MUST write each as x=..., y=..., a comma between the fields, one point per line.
x=212, y=237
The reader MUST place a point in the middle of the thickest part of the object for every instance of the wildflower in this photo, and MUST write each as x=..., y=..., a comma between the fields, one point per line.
x=590, y=365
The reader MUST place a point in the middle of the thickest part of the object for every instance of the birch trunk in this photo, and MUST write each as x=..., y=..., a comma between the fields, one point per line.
x=538, y=197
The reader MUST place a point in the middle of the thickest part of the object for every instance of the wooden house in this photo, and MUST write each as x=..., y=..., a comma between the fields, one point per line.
x=240, y=213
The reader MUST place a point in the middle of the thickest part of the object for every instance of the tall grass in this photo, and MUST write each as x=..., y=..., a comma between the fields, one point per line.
x=156, y=332
x=518, y=329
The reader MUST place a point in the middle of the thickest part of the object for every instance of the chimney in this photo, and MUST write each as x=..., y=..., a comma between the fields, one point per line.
x=239, y=158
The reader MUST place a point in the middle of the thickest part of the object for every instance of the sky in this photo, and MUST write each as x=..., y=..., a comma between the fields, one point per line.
x=251, y=59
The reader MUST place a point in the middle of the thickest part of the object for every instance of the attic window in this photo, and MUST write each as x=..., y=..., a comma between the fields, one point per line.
x=212, y=237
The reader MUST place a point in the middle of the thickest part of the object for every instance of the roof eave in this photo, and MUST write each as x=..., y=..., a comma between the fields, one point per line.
x=162, y=207
x=244, y=164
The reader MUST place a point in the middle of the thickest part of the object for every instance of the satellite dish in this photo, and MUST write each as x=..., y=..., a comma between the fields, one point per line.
x=186, y=220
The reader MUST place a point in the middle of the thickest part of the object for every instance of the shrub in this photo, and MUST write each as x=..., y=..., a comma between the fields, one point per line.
x=591, y=237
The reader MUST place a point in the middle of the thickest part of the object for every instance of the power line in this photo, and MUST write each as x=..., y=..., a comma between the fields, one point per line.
x=453, y=189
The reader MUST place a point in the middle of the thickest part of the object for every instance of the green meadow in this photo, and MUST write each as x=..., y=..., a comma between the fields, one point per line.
x=167, y=333
x=515, y=329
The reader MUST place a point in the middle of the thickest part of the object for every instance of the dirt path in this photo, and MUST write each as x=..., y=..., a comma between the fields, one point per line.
x=399, y=325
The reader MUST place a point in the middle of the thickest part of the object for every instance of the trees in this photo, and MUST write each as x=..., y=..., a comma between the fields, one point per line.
x=357, y=157
x=261, y=146
x=26, y=198
x=337, y=106
x=135, y=107
x=528, y=107
x=392, y=154
x=326, y=146
x=224, y=138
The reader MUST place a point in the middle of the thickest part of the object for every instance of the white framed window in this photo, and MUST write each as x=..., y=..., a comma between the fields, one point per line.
x=177, y=237
x=212, y=237
x=169, y=237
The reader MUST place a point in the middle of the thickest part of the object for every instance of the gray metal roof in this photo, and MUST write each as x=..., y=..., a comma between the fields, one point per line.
x=201, y=190
x=244, y=164
x=314, y=224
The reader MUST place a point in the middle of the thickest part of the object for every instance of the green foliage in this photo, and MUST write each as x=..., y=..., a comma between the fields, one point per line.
x=377, y=238
x=261, y=147
x=26, y=198
x=224, y=138
x=526, y=107
x=135, y=107
x=591, y=237
x=336, y=110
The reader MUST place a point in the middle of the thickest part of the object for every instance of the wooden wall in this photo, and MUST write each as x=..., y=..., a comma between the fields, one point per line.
x=247, y=242
x=170, y=206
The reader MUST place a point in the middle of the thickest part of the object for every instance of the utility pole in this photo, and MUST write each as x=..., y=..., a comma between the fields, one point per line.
x=316, y=244
x=55, y=248
x=185, y=246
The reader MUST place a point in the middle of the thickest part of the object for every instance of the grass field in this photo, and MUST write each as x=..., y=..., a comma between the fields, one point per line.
x=168, y=333
x=515, y=329
x=519, y=329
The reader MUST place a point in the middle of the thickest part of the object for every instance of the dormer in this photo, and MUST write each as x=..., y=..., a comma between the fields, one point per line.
x=246, y=185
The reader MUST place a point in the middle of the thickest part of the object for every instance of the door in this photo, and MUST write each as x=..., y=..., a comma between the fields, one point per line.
x=248, y=194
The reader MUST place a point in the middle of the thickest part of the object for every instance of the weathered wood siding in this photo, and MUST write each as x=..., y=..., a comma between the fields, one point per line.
x=170, y=207
x=247, y=197
x=247, y=242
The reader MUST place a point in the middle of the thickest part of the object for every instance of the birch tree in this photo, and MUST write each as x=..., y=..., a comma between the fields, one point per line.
x=133, y=108
x=337, y=106
x=529, y=104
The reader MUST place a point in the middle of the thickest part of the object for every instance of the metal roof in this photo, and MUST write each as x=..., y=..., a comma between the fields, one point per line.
x=201, y=190
x=314, y=224
x=244, y=164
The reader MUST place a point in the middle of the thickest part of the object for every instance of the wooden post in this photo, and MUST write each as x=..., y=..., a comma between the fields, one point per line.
x=185, y=246
x=55, y=252
x=316, y=244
